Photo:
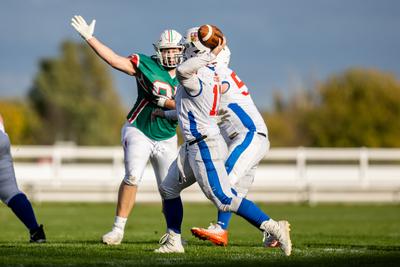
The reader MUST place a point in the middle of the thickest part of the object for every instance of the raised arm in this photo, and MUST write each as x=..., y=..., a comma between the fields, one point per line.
x=107, y=54
x=186, y=72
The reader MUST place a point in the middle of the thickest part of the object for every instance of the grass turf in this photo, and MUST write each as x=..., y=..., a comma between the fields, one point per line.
x=324, y=235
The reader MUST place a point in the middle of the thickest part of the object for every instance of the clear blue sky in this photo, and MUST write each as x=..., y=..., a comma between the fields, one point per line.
x=276, y=45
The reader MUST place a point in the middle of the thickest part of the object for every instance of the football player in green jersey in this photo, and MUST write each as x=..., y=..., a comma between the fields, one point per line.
x=142, y=138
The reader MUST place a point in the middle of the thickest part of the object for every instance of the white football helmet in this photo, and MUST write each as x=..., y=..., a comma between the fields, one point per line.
x=169, y=39
x=194, y=47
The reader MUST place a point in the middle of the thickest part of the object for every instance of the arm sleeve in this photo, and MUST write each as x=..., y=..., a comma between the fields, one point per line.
x=186, y=72
x=135, y=60
x=171, y=114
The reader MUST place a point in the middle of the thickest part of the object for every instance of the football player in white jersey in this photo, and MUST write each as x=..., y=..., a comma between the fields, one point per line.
x=246, y=135
x=202, y=157
x=10, y=193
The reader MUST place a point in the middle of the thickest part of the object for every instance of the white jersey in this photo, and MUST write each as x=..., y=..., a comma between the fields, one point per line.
x=197, y=98
x=242, y=114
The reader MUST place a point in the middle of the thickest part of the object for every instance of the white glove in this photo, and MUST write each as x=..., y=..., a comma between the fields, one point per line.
x=80, y=25
x=160, y=100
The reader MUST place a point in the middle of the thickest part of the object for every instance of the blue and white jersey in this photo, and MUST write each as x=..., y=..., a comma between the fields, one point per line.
x=238, y=112
x=197, y=98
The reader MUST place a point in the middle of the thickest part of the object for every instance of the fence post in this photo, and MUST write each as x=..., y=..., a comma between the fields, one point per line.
x=56, y=165
x=363, y=171
x=301, y=174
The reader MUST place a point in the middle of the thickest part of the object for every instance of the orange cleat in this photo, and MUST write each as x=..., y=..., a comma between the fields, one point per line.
x=213, y=233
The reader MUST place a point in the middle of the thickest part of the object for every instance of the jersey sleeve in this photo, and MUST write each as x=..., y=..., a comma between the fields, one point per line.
x=186, y=72
x=135, y=60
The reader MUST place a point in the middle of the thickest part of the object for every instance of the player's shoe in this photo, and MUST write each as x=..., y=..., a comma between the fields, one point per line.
x=37, y=235
x=213, y=233
x=281, y=231
x=270, y=241
x=114, y=237
x=171, y=242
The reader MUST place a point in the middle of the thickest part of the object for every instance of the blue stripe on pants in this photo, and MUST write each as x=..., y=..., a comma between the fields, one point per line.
x=249, y=124
x=237, y=152
x=212, y=173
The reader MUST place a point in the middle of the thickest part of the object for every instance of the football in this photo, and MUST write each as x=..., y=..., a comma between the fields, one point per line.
x=209, y=35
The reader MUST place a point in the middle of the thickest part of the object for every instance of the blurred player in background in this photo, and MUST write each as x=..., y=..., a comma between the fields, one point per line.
x=142, y=138
x=245, y=133
x=203, y=155
x=11, y=195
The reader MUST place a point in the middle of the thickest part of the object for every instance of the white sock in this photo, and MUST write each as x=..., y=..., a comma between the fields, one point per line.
x=119, y=223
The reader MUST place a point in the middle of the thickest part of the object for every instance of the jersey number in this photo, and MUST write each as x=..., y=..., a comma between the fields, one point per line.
x=214, y=109
x=162, y=88
x=239, y=83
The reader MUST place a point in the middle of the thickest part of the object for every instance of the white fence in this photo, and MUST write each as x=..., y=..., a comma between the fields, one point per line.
x=70, y=173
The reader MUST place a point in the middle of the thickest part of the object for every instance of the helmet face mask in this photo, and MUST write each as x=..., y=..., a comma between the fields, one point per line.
x=169, y=49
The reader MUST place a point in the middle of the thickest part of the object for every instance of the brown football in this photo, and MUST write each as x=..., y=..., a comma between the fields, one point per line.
x=209, y=35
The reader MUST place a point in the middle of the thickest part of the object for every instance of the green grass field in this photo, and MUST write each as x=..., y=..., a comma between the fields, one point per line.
x=324, y=235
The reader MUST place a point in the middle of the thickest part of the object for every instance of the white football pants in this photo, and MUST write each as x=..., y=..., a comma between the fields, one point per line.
x=8, y=184
x=245, y=153
x=203, y=162
x=138, y=149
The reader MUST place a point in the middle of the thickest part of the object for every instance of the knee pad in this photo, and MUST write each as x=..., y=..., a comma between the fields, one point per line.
x=131, y=180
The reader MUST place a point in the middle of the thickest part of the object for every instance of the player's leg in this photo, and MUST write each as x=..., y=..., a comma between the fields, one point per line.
x=245, y=177
x=245, y=152
x=244, y=157
x=211, y=175
x=137, y=150
x=163, y=155
x=170, y=189
x=162, y=159
x=13, y=197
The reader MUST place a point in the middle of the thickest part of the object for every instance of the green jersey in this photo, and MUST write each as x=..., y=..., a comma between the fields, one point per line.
x=152, y=79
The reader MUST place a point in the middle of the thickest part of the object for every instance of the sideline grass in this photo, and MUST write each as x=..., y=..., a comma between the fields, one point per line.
x=324, y=235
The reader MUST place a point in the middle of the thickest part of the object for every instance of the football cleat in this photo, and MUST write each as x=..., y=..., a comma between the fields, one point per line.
x=270, y=241
x=213, y=233
x=281, y=231
x=37, y=235
x=114, y=237
x=171, y=242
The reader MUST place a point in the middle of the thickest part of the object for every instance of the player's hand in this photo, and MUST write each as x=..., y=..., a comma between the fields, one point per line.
x=157, y=113
x=223, y=116
x=160, y=100
x=80, y=25
x=220, y=46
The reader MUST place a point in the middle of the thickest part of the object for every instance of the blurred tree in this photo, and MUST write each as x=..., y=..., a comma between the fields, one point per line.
x=75, y=97
x=358, y=107
x=21, y=122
